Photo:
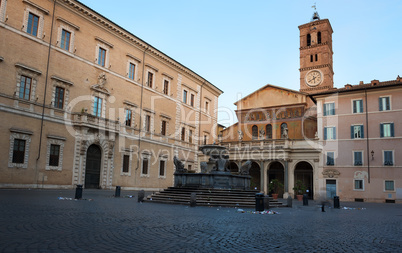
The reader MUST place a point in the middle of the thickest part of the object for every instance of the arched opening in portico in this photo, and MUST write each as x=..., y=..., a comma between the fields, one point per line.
x=233, y=168
x=304, y=173
x=276, y=171
x=255, y=182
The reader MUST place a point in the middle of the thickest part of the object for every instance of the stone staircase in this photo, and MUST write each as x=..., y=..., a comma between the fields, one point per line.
x=209, y=197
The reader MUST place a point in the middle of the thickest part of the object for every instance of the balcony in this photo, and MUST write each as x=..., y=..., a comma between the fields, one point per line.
x=87, y=120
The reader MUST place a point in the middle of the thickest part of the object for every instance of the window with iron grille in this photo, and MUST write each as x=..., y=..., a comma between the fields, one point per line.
x=126, y=163
x=18, y=151
x=162, y=168
x=54, y=155
x=145, y=164
x=59, y=98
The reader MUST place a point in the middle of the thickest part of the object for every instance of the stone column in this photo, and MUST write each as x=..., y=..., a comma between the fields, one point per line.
x=286, y=180
x=286, y=177
x=265, y=176
x=262, y=181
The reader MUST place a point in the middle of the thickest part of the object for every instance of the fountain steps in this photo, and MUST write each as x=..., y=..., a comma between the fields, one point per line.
x=209, y=197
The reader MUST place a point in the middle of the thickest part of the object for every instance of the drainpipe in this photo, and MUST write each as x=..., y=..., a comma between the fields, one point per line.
x=44, y=96
x=199, y=111
x=142, y=93
x=367, y=139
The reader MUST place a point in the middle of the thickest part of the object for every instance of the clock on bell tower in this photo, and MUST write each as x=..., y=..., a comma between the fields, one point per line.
x=316, y=72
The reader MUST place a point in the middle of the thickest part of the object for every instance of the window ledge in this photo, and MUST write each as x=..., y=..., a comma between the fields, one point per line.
x=20, y=131
x=36, y=6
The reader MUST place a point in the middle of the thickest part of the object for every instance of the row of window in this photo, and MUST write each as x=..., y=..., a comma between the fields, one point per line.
x=357, y=131
x=309, y=38
x=384, y=104
x=388, y=158
x=267, y=134
x=19, y=151
x=102, y=60
x=145, y=163
x=389, y=185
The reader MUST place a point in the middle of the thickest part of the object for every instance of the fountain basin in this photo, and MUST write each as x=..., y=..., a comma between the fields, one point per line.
x=212, y=181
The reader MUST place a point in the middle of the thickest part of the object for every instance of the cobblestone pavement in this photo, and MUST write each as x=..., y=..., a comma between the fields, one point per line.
x=38, y=221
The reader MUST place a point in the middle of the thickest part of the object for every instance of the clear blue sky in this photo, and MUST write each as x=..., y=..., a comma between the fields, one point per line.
x=240, y=46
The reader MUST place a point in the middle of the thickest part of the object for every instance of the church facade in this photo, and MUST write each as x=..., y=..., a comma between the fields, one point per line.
x=336, y=142
x=84, y=101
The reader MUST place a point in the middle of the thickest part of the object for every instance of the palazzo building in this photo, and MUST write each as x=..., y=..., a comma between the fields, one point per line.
x=359, y=127
x=84, y=101
x=337, y=142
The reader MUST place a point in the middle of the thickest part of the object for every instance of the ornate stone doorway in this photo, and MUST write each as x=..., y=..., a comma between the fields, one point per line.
x=255, y=173
x=276, y=171
x=93, y=167
x=304, y=173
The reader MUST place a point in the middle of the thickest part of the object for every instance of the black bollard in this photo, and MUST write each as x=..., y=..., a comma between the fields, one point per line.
x=323, y=206
x=141, y=195
x=290, y=200
x=305, y=200
x=117, y=192
x=336, y=202
x=193, y=199
x=78, y=191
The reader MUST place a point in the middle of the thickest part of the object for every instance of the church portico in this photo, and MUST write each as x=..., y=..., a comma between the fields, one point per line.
x=285, y=160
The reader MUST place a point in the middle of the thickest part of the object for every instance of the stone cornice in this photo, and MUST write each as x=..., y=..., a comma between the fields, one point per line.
x=124, y=34
x=133, y=57
x=130, y=103
x=316, y=23
x=28, y=68
x=318, y=67
x=104, y=41
x=56, y=137
x=317, y=45
x=76, y=27
x=20, y=131
x=36, y=6
x=62, y=80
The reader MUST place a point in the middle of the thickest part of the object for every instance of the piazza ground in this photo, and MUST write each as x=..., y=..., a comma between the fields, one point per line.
x=42, y=221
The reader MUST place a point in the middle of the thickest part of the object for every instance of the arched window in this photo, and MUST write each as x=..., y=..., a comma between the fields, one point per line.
x=268, y=131
x=284, y=130
x=308, y=40
x=319, y=37
x=254, y=130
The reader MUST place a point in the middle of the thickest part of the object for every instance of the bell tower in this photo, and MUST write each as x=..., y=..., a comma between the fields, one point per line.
x=316, y=72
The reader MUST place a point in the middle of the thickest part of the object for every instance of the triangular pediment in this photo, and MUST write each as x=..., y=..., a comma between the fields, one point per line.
x=269, y=96
x=100, y=88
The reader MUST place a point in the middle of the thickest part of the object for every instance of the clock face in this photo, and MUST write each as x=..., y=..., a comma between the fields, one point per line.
x=313, y=78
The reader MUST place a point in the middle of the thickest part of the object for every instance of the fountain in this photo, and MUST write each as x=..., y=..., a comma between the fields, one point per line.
x=214, y=173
